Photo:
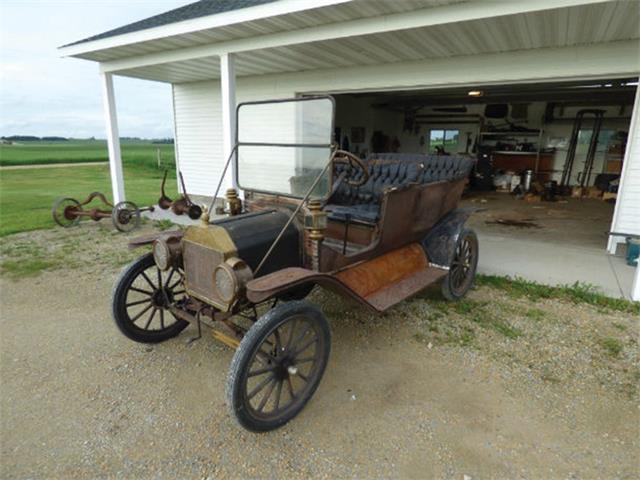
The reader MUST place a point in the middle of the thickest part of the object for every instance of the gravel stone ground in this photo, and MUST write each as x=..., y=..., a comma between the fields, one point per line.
x=493, y=387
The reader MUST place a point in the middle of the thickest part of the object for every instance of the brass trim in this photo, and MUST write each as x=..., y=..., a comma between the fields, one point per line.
x=215, y=238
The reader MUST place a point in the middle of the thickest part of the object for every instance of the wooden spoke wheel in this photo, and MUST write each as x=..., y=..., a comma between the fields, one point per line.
x=278, y=366
x=462, y=271
x=65, y=212
x=141, y=301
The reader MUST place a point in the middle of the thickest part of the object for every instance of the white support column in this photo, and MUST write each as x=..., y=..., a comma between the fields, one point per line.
x=113, y=139
x=228, y=98
x=635, y=288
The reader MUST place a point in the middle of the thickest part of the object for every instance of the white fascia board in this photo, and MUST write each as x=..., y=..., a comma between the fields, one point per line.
x=584, y=62
x=459, y=12
x=280, y=7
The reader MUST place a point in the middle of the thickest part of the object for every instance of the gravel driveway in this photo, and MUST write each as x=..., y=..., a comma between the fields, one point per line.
x=426, y=390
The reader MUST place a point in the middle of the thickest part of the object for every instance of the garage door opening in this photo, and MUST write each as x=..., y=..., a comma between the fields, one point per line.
x=548, y=155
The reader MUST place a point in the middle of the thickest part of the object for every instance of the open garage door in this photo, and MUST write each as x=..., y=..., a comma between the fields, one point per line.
x=549, y=157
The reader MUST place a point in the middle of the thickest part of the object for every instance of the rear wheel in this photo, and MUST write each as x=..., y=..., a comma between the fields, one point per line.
x=141, y=301
x=278, y=366
x=462, y=271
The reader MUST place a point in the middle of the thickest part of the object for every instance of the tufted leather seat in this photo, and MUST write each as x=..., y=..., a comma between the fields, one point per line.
x=388, y=170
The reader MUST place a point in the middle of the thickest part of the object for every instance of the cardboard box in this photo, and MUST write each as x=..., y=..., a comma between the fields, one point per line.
x=576, y=192
x=593, y=192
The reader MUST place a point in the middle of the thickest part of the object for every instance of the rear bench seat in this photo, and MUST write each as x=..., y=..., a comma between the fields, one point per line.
x=388, y=170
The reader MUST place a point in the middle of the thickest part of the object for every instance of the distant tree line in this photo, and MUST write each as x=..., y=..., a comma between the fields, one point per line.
x=32, y=138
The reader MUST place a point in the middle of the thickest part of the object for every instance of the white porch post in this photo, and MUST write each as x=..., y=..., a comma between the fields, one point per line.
x=635, y=289
x=113, y=139
x=228, y=97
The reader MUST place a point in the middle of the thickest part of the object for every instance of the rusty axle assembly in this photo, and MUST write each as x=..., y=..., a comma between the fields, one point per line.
x=182, y=204
x=125, y=216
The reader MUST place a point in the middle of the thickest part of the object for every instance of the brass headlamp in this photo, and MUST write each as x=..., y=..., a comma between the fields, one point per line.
x=167, y=253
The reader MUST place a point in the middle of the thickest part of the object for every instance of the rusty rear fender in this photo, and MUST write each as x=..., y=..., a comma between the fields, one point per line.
x=439, y=244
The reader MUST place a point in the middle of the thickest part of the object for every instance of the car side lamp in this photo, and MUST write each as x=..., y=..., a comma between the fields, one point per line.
x=315, y=222
x=234, y=203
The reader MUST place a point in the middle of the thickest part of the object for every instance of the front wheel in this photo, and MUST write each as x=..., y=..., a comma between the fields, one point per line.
x=462, y=271
x=278, y=366
x=141, y=301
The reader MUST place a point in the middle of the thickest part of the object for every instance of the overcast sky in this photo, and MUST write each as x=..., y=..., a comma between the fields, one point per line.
x=43, y=94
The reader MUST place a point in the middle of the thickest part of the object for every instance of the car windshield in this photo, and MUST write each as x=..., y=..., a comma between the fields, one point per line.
x=284, y=145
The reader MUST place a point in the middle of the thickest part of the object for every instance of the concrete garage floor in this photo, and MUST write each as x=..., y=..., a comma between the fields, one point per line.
x=564, y=242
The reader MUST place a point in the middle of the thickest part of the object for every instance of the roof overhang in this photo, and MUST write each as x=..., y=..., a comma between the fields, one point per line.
x=209, y=22
x=337, y=35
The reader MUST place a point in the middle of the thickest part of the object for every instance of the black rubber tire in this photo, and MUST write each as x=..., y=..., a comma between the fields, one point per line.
x=244, y=355
x=449, y=290
x=119, y=310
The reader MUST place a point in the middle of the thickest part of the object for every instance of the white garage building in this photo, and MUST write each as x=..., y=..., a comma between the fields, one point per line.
x=377, y=54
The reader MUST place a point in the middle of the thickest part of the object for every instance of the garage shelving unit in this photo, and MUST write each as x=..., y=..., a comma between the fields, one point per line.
x=515, y=133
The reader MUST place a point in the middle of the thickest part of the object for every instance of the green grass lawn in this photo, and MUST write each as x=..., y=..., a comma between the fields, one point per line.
x=40, y=152
x=26, y=196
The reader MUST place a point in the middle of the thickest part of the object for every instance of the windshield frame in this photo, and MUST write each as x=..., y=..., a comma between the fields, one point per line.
x=329, y=146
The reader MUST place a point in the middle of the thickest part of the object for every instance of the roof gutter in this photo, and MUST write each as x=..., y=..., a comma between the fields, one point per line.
x=232, y=17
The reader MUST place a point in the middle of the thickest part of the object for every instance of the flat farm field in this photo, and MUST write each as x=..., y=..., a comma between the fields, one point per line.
x=81, y=151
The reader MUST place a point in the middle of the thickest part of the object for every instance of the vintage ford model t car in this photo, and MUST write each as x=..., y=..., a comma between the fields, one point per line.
x=377, y=231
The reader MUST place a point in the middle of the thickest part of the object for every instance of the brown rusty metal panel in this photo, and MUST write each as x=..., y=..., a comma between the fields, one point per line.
x=356, y=233
x=368, y=277
x=406, y=216
x=396, y=292
x=261, y=288
x=268, y=286
x=377, y=284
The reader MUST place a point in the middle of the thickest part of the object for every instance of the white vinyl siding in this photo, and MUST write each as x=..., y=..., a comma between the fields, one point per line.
x=626, y=218
x=198, y=115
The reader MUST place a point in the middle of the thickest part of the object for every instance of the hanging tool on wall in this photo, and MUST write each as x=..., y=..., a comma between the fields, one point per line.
x=585, y=176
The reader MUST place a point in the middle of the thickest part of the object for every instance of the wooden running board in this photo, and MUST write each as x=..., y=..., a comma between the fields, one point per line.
x=388, y=296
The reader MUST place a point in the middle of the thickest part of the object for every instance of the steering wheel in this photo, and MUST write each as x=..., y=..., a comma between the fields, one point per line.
x=355, y=164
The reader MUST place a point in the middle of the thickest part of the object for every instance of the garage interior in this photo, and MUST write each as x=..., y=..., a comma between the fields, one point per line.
x=541, y=173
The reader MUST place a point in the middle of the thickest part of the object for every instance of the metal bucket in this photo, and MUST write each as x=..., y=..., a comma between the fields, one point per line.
x=527, y=179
